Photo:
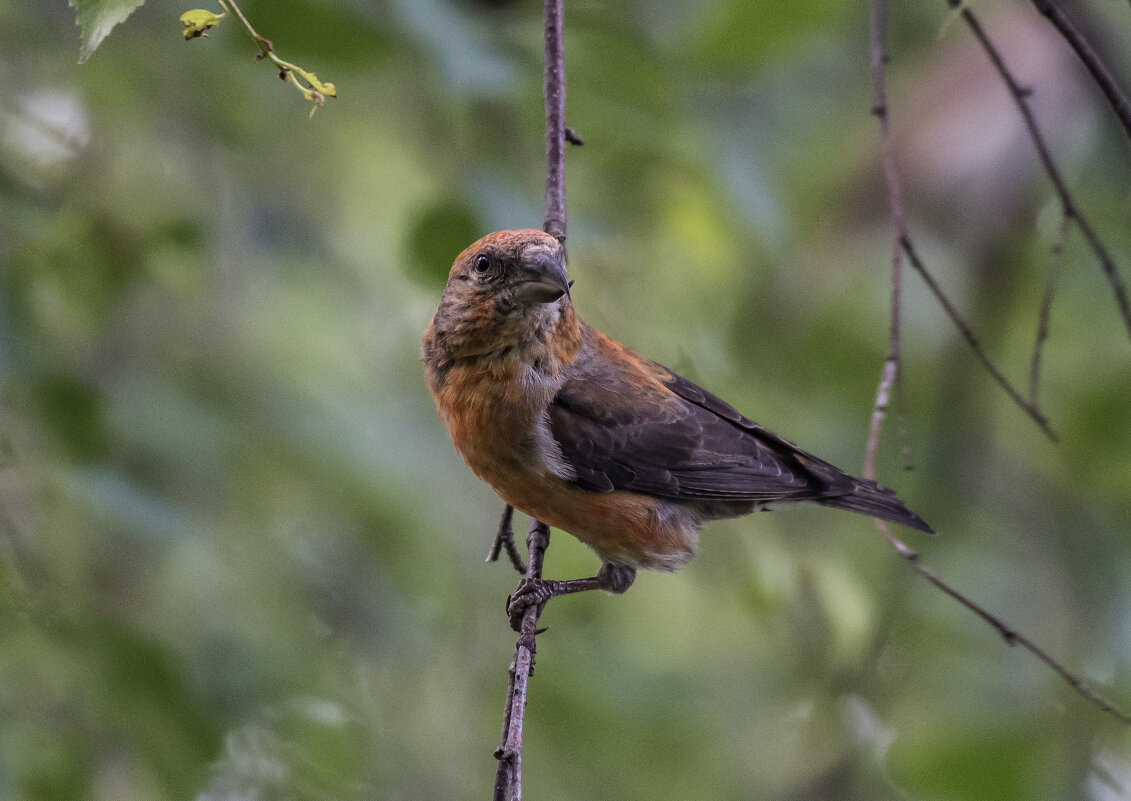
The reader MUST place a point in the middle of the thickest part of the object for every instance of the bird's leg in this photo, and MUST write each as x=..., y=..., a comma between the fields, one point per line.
x=504, y=538
x=614, y=578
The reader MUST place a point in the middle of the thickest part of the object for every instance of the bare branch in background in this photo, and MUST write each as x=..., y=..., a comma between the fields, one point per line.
x=1020, y=97
x=889, y=375
x=1091, y=60
x=1007, y=632
x=889, y=379
x=1034, y=413
x=1055, y=261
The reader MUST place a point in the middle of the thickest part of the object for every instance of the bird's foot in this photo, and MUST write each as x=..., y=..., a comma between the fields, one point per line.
x=530, y=592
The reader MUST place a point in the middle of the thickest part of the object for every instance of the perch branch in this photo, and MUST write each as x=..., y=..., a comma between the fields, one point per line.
x=508, y=776
x=553, y=90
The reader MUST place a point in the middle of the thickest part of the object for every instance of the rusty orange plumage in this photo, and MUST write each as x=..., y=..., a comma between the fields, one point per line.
x=576, y=430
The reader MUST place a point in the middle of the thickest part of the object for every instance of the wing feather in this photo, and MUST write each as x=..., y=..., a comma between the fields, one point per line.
x=625, y=423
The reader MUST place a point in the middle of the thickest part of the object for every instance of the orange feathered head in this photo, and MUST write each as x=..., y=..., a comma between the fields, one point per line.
x=500, y=290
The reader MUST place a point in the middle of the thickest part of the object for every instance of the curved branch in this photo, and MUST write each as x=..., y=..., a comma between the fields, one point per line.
x=1091, y=60
x=1030, y=409
x=1007, y=632
x=1071, y=210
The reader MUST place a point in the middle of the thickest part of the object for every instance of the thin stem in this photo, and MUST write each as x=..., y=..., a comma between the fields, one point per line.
x=1091, y=60
x=1021, y=100
x=553, y=89
x=889, y=375
x=971, y=340
x=265, y=45
x=508, y=775
x=1055, y=261
x=1007, y=632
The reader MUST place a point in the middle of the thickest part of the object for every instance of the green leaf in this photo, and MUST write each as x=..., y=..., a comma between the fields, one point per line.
x=198, y=21
x=96, y=18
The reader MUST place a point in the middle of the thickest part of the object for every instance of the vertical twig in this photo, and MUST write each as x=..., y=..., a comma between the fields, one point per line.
x=553, y=89
x=1056, y=259
x=889, y=375
x=504, y=539
x=508, y=776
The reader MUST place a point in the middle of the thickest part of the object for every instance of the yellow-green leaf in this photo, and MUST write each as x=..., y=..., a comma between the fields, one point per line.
x=198, y=21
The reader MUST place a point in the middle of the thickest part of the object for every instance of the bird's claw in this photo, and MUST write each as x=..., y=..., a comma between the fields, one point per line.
x=530, y=592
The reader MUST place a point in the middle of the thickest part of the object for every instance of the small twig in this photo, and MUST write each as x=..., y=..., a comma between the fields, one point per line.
x=1091, y=60
x=906, y=452
x=265, y=45
x=1007, y=632
x=889, y=375
x=508, y=776
x=504, y=538
x=314, y=90
x=1021, y=98
x=1056, y=259
x=1032, y=411
x=553, y=90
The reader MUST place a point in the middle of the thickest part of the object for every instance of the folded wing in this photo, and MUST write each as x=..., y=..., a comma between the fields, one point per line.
x=634, y=425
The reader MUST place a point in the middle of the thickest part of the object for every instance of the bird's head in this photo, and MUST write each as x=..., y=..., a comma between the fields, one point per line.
x=506, y=288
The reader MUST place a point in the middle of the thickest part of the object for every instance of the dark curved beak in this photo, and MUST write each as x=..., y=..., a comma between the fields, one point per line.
x=543, y=280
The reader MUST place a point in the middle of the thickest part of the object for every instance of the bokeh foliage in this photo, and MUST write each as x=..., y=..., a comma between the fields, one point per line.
x=239, y=557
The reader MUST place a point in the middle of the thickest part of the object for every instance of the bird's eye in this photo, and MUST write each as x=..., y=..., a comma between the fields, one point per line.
x=482, y=263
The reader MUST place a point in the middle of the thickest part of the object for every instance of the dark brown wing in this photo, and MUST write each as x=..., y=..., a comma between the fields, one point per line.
x=672, y=439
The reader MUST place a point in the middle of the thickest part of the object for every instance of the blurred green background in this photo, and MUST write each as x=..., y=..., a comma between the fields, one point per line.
x=239, y=558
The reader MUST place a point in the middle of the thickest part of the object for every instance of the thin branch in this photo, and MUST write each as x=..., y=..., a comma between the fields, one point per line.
x=1003, y=382
x=889, y=375
x=508, y=776
x=266, y=48
x=1056, y=260
x=889, y=379
x=1021, y=99
x=1007, y=632
x=1091, y=60
x=553, y=89
x=314, y=90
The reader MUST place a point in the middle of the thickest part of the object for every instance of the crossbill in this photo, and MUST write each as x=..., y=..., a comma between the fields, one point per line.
x=576, y=430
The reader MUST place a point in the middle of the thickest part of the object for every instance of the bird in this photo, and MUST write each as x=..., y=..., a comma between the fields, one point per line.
x=576, y=430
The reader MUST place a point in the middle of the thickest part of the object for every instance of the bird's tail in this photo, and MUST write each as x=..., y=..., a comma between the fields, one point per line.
x=869, y=498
